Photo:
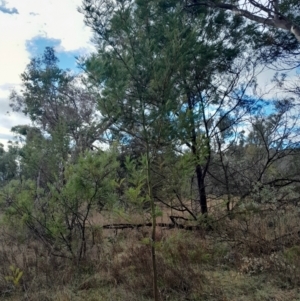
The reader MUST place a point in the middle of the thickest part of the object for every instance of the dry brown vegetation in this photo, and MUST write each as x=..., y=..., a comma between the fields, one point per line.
x=254, y=255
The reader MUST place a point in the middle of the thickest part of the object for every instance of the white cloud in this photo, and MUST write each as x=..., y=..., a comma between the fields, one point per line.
x=54, y=19
x=49, y=18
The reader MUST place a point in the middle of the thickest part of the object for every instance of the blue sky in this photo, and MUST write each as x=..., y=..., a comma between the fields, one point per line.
x=26, y=28
x=67, y=59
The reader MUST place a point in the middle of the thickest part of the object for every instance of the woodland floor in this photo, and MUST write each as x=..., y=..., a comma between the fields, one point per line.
x=253, y=256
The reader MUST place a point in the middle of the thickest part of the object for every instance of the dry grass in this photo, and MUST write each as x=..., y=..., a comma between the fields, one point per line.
x=253, y=256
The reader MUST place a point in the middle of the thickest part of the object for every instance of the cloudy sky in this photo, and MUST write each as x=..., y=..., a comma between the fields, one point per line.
x=26, y=28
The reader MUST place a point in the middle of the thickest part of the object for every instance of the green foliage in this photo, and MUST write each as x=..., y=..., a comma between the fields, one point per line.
x=92, y=179
x=42, y=81
x=158, y=73
x=181, y=247
x=15, y=277
x=292, y=255
x=136, y=179
x=61, y=212
x=171, y=90
x=8, y=163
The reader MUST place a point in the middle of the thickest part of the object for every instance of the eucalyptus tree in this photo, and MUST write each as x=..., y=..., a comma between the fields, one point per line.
x=273, y=26
x=282, y=14
x=262, y=163
x=273, y=143
x=8, y=163
x=54, y=98
x=64, y=127
x=42, y=157
x=53, y=196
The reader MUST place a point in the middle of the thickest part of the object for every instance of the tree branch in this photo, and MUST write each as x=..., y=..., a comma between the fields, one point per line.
x=278, y=21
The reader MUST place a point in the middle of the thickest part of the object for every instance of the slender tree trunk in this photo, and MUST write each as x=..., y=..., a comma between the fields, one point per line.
x=152, y=205
x=198, y=169
x=153, y=233
x=225, y=169
x=153, y=255
x=201, y=189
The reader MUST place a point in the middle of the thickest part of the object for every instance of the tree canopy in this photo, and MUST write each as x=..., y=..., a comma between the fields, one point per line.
x=168, y=113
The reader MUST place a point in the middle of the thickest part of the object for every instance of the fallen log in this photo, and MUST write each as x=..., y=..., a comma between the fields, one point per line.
x=162, y=225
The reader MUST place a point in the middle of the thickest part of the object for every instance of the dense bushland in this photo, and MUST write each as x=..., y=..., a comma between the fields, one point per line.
x=164, y=170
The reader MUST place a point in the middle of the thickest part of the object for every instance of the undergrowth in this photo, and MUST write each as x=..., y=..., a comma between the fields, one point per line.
x=244, y=258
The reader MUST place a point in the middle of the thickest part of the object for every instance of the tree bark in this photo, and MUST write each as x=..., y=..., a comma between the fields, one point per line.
x=198, y=169
x=201, y=189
